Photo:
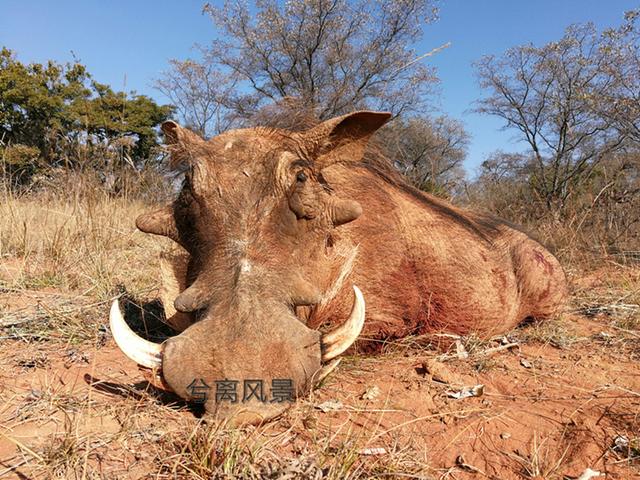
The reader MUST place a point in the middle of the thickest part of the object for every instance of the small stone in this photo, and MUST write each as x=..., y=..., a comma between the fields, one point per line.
x=373, y=451
x=461, y=352
x=371, y=393
x=441, y=373
x=588, y=474
x=526, y=363
x=329, y=406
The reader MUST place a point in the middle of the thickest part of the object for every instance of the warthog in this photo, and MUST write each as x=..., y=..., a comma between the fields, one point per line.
x=287, y=234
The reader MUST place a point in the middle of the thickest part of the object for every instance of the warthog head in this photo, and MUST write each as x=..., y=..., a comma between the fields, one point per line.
x=262, y=229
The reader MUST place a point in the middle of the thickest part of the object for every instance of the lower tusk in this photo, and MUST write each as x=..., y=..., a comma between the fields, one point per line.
x=338, y=340
x=326, y=370
x=141, y=351
x=155, y=378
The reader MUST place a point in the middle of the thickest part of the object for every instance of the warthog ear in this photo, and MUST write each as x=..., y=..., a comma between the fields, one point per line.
x=344, y=138
x=174, y=133
x=182, y=142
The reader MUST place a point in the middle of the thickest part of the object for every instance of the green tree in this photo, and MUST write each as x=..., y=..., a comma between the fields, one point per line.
x=110, y=116
x=56, y=115
x=34, y=101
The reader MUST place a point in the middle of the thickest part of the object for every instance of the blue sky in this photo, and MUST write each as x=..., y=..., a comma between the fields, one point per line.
x=127, y=44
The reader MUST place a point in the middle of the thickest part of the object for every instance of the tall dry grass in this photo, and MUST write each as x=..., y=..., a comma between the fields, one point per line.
x=65, y=252
x=81, y=239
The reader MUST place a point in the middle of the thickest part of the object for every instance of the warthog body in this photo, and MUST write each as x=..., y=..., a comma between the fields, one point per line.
x=279, y=226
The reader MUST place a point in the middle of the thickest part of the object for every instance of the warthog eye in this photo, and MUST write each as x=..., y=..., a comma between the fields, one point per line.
x=301, y=177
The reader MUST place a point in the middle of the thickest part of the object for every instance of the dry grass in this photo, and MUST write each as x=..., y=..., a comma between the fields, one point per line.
x=88, y=246
x=541, y=460
x=62, y=260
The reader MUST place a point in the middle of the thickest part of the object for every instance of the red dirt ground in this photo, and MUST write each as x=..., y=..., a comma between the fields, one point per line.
x=550, y=408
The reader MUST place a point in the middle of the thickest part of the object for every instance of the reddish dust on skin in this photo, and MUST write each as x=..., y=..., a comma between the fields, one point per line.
x=541, y=260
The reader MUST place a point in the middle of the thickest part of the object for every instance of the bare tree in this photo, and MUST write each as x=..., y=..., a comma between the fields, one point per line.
x=292, y=64
x=332, y=55
x=503, y=187
x=602, y=212
x=429, y=152
x=502, y=166
x=199, y=91
x=554, y=96
x=621, y=104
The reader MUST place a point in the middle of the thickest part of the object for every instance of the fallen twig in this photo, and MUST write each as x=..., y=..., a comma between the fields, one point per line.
x=12, y=468
x=17, y=320
x=484, y=353
x=491, y=351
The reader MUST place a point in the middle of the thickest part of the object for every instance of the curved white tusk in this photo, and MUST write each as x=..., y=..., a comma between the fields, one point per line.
x=338, y=340
x=141, y=351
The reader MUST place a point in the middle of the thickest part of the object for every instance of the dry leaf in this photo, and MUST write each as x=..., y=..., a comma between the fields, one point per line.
x=466, y=392
x=330, y=406
x=371, y=393
x=372, y=451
